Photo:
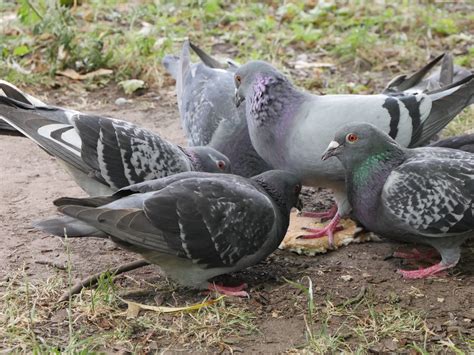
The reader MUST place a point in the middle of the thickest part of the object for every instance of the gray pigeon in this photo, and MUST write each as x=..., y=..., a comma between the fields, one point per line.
x=422, y=195
x=205, y=95
x=104, y=154
x=195, y=226
x=464, y=142
x=290, y=128
x=447, y=74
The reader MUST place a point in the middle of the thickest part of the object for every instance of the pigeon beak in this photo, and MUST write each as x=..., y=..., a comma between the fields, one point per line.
x=238, y=99
x=332, y=150
x=299, y=205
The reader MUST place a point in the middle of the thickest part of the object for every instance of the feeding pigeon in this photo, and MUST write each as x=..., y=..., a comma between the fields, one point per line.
x=209, y=116
x=416, y=83
x=290, y=128
x=195, y=226
x=423, y=195
x=104, y=154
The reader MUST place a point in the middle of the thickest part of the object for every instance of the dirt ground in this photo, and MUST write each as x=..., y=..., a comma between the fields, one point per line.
x=30, y=180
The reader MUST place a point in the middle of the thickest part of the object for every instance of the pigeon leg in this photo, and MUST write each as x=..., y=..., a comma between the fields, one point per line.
x=328, y=230
x=329, y=214
x=415, y=254
x=237, y=291
x=449, y=258
x=426, y=272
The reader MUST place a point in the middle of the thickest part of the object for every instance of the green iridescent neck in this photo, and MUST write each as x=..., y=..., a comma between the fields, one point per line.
x=363, y=170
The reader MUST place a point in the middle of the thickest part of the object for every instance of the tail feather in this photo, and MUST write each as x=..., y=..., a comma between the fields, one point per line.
x=464, y=142
x=446, y=104
x=85, y=201
x=68, y=226
x=206, y=58
x=13, y=92
x=417, y=77
x=446, y=74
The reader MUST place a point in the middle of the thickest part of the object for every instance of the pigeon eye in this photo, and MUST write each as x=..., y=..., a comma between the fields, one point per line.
x=351, y=138
x=221, y=164
x=238, y=80
x=297, y=189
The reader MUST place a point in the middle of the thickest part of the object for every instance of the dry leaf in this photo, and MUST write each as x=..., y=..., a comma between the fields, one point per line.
x=134, y=308
x=72, y=74
x=301, y=64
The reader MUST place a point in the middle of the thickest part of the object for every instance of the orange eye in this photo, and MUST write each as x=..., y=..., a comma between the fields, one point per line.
x=221, y=164
x=238, y=79
x=351, y=138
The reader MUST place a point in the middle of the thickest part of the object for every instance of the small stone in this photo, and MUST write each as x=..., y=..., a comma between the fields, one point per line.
x=347, y=277
x=121, y=101
x=440, y=299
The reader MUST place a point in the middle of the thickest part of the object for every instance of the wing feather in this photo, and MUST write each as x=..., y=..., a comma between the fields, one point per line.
x=434, y=204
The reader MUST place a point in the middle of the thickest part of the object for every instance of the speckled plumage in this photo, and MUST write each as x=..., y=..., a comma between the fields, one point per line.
x=193, y=225
x=104, y=154
x=422, y=195
x=205, y=95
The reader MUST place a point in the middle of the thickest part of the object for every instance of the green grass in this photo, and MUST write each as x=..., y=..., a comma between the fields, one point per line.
x=363, y=323
x=131, y=39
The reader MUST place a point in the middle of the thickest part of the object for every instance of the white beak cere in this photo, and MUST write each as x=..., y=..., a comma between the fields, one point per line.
x=332, y=145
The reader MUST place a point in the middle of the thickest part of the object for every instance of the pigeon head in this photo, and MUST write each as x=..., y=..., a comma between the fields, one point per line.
x=253, y=78
x=356, y=142
x=209, y=160
x=283, y=187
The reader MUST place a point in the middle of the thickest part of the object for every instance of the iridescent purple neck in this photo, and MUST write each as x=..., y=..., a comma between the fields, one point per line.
x=272, y=99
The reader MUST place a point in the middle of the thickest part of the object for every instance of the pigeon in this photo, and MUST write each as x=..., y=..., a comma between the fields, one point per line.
x=464, y=142
x=290, y=128
x=422, y=195
x=104, y=154
x=209, y=117
x=194, y=225
x=416, y=83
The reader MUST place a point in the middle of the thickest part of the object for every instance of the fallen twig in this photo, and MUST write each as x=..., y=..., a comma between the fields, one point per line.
x=93, y=279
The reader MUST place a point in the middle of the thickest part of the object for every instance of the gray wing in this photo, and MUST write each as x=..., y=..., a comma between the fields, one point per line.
x=219, y=221
x=206, y=102
x=437, y=203
x=210, y=221
x=204, y=98
x=124, y=154
x=112, y=152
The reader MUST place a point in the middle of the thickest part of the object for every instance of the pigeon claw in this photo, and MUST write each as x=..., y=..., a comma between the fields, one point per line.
x=329, y=214
x=328, y=230
x=415, y=254
x=424, y=273
x=237, y=291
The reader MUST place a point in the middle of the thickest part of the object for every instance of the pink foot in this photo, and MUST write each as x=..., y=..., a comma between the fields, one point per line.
x=237, y=291
x=323, y=215
x=415, y=254
x=423, y=273
x=329, y=230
